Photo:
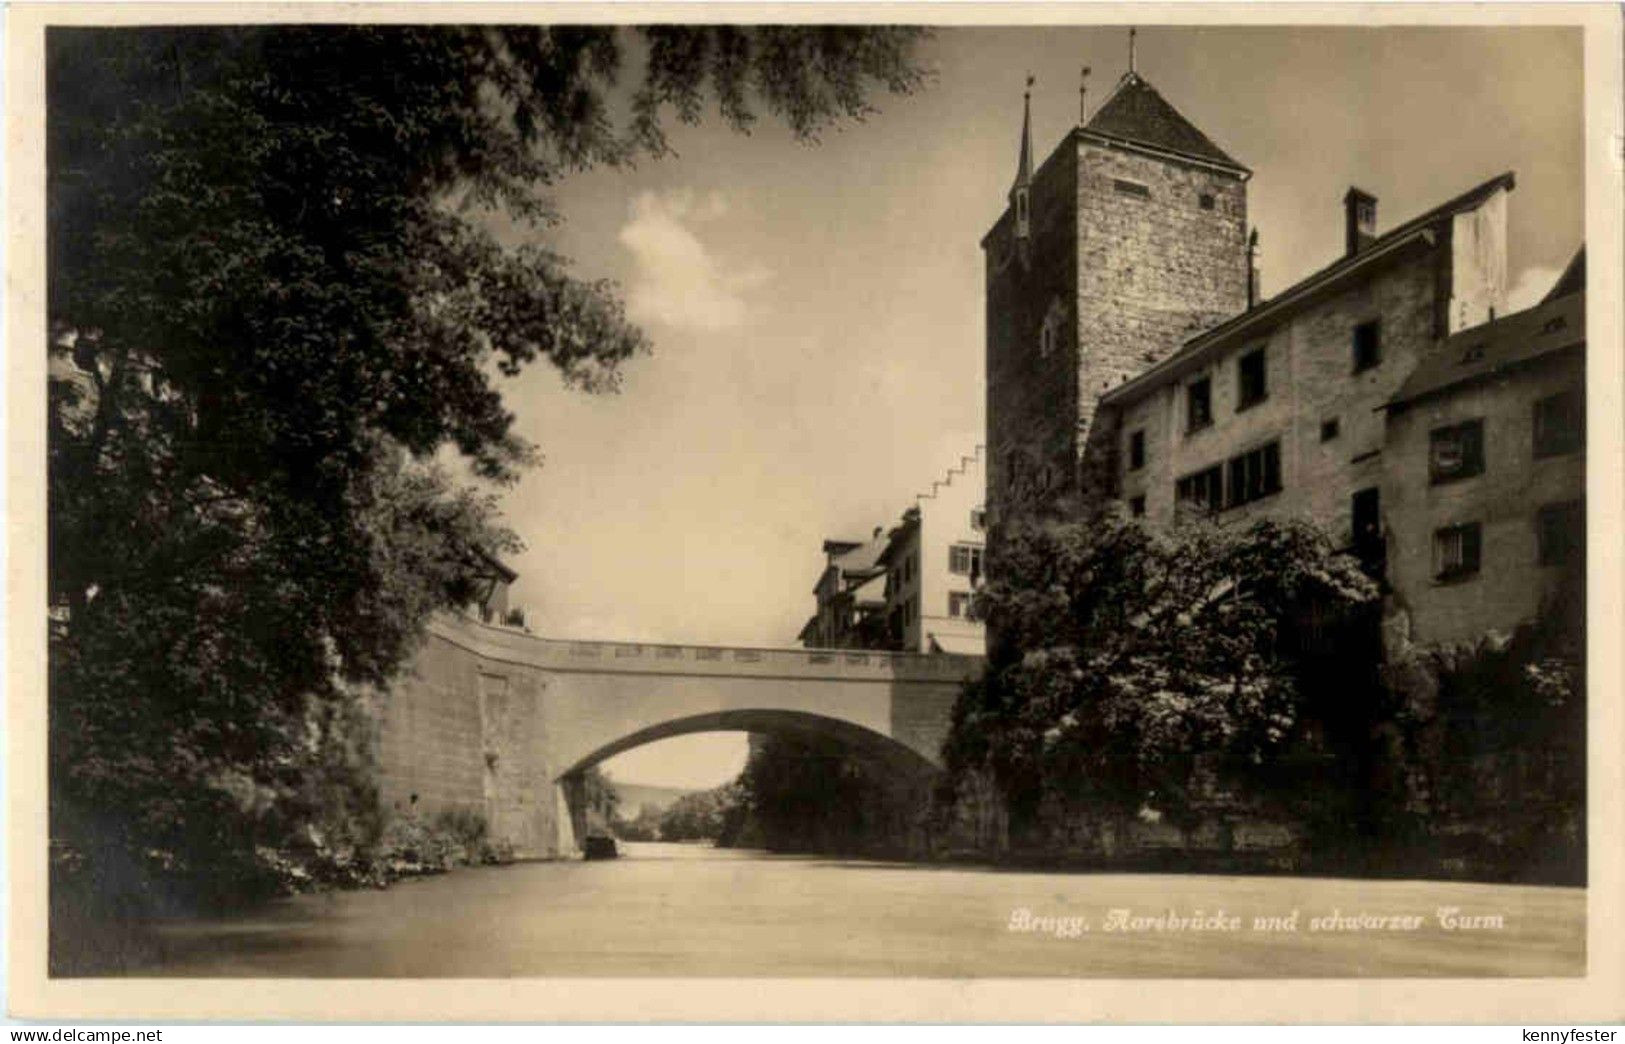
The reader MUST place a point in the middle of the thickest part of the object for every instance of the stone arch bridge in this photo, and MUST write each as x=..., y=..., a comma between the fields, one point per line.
x=494, y=720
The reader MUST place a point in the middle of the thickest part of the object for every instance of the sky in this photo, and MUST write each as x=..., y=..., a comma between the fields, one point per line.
x=816, y=312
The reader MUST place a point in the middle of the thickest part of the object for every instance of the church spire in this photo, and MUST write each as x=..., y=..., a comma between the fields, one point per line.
x=1024, y=166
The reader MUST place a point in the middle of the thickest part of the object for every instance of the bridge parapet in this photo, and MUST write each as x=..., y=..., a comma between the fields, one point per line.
x=567, y=655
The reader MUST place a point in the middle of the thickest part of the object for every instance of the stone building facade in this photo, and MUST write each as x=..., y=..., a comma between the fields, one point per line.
x=1126, y=241
x=851, y=596
x=910, y=588
x=1483, y=473
x=1130, y=357
x=1279, y=410
x=933, y=562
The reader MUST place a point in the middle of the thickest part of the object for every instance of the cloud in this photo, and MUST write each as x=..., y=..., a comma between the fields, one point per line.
x=677, y=280
x=1529, y=287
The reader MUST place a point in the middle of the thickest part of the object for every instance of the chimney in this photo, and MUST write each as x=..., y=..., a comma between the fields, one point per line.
x=1254, y=288
x=1359, y=219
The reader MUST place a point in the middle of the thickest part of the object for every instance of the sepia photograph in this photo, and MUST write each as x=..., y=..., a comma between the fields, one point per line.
x=858, y=496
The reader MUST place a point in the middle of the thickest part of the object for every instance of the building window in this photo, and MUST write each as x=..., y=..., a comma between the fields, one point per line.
x=978, y=519
x=1456, y=452
x=1198, y=404
x=1560, y=424
x=1131, y=188
x=1560, y=530
x=1205, y=200
x=1367, y=345
x=1456, y=551
x=1136, y=507
x=1255, y=475
x=959, y=605
x=1203, y=491
x=1136, y=450
x=1251, y=388
x=1330, y=429
x=965, y=560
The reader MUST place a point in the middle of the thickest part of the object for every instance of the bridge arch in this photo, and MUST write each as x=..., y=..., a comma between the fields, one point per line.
x=863, y=742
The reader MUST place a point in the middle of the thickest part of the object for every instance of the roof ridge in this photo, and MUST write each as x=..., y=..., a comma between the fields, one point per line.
x=1136, y=113
x=1122, y=81
x=1388, y=240
x=1394, y=234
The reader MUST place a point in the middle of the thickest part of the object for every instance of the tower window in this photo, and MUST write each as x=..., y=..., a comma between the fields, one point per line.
x=1136, y=506
x=1330, y=429
x=1559, y=424
x=1205, y=201
x=1456, y=551
x=1131, y=188
x=1198, y=404
x=1050, y=335
x=1456, y=452
x=1367, y=345
x=1136, y=450
x=1252, y=388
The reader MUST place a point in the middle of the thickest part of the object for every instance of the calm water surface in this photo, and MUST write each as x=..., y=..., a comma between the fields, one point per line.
x=682, y=910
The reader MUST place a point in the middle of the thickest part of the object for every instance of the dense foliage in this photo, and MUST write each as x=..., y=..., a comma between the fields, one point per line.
x=1142, y=673
x=1492, y=736
x=806, y=793
x=271, y=305
x=709, y=815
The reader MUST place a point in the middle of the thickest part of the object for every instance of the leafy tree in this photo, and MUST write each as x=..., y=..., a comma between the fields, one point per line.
x=645, y=826
x=806, y=793
x=703, y=816
x=1493, y=736
x=1137, y=671
x=272, y=304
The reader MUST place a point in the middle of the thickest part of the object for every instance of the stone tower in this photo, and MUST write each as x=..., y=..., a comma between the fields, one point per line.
x=1127, y=241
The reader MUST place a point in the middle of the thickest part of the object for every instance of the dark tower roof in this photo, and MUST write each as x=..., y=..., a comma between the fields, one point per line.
x=1135, y=113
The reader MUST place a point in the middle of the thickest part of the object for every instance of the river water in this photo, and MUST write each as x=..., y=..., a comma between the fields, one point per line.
x=688, y=910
